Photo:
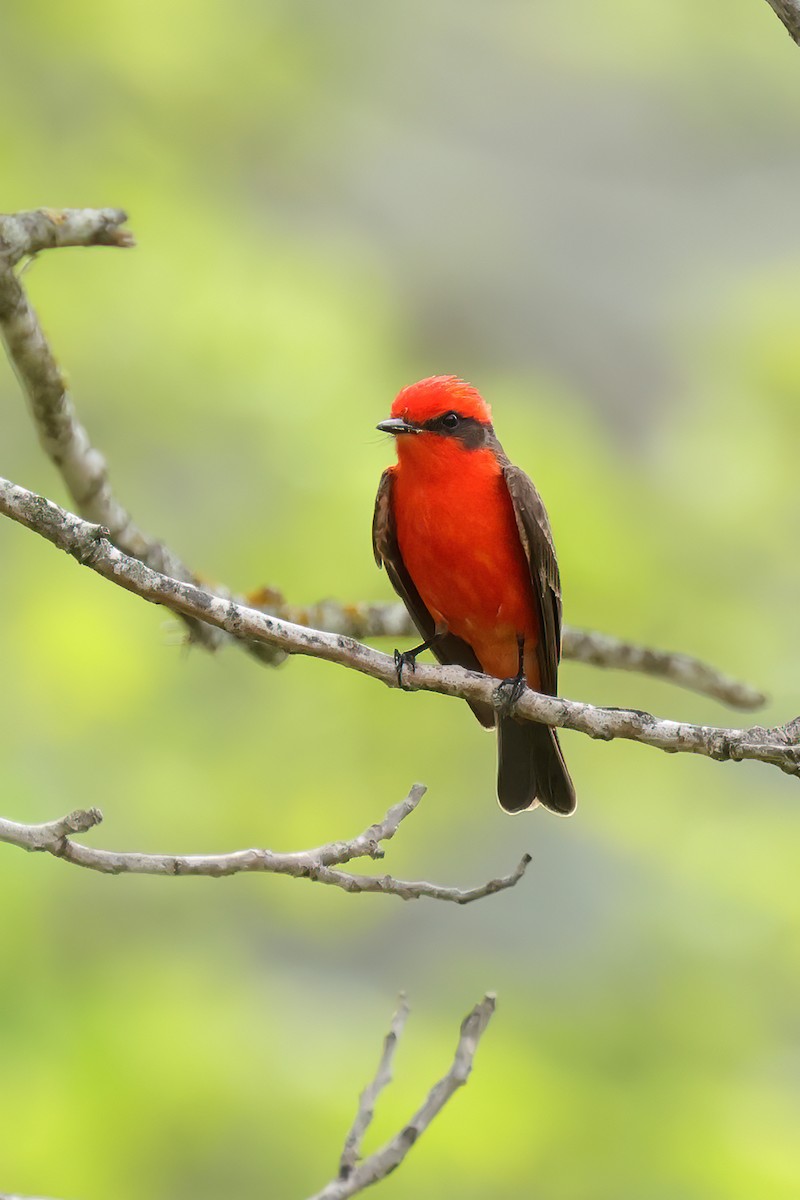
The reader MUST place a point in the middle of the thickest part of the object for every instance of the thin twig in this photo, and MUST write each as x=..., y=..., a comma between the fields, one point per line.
x=55, y=837
x=353, y=1179
x=89, y=545
x=26, y=233
x=369, y=1097
x=603, y=650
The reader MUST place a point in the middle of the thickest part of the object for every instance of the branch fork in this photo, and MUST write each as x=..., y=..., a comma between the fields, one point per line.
x=356, y=1173
x=322, y=865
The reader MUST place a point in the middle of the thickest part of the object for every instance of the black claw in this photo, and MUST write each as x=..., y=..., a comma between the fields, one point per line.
x=508, y=692
x=408, y=658
x=404, y=658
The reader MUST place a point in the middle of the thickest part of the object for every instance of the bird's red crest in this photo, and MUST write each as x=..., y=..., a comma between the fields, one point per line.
x=429, y=398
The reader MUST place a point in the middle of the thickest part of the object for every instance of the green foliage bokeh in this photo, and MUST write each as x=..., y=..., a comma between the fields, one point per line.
x=322, y=216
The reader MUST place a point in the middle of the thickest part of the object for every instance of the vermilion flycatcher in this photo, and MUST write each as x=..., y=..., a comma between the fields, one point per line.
x=466, y=543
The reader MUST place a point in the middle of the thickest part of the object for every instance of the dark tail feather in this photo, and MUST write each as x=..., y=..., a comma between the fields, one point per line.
x=530, y=766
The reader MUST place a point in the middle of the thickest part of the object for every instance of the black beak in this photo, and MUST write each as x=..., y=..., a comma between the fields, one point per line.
x=396, y=425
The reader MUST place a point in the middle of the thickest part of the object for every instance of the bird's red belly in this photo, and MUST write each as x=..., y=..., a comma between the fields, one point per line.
x=469, y=567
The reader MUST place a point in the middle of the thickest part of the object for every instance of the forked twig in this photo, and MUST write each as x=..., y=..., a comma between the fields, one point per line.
x=354, y=1176
x=321, y=864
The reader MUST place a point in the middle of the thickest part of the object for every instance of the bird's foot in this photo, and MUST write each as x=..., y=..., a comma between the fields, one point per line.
x=408, y=658
x=507, y=693
x=404, y=658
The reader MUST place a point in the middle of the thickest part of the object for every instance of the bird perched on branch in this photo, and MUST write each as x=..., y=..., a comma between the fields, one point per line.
x=466, y=543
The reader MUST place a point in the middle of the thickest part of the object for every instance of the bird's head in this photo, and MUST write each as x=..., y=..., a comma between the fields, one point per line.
x=443, y=406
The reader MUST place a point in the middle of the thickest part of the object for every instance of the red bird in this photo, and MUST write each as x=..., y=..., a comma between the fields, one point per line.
x=466, y=543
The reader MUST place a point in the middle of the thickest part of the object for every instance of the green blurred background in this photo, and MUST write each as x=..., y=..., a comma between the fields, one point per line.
x=589, y=210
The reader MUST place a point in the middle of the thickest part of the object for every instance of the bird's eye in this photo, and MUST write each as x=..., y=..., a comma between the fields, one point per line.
x=450, y=420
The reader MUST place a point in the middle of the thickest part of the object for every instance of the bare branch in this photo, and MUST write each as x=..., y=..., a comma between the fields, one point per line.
x=26, y=233
x=368, y=1098
x=63, y=438
x=603, y=650
x=89, y=545
x=788, y=11
x=365, y=621
x=55, y=837
x=353, y=1179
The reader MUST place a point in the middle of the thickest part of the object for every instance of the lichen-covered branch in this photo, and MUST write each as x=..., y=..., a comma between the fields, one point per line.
x=26, y=233
x=603, y=650
x=89, y=545
x=321, y=864
x=365, y=621
x=62, y=436
x=355, y=1176
x=788, y=11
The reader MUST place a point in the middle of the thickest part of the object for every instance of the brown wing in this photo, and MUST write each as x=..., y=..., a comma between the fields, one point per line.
x=530, y=759
x=537, y=541
x=449, y=649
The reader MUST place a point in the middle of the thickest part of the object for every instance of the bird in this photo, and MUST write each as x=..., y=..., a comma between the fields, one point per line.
x=466, y=543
